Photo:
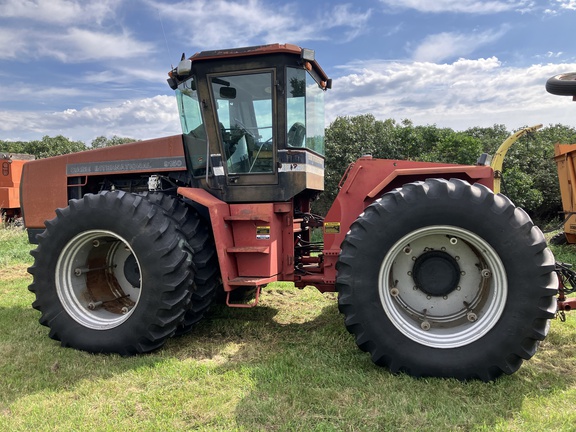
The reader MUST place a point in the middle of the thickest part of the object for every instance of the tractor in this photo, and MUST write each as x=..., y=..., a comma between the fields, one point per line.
x=436, y=274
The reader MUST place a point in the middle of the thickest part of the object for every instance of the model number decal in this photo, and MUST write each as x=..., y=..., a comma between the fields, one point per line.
x=140, y=165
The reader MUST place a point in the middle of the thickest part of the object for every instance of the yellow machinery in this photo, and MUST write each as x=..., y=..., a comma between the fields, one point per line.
x=498, y=158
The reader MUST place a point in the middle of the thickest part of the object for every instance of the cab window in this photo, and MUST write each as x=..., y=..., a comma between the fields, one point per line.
x=305, y=111
x=244, y=107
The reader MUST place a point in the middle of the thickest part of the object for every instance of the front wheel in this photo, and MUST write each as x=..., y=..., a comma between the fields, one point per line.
x=442, y=278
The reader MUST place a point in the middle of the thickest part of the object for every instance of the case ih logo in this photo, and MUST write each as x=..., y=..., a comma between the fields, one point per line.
x=6, y=168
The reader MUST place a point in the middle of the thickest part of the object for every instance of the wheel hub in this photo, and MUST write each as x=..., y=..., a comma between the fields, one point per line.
x=436, y=273
x=442, y=286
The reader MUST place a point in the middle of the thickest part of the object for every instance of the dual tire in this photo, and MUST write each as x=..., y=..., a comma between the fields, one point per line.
x=121, y=273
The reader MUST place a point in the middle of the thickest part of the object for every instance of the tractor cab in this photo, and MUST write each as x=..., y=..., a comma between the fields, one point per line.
x=253, y=121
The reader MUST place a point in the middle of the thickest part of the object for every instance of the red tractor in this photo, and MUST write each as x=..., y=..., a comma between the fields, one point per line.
x=436, y=274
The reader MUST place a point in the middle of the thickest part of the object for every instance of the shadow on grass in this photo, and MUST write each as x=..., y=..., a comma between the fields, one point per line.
x=311, y=376
x=327, y=383
x=31, y=362
x=303, y=368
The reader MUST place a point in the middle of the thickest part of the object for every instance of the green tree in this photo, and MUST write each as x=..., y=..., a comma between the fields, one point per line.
x=534, y=156
x=102, y=141
x=52, y=146
x=347, y=139
x=11, y=147
x=490, y=137
x=530, y=173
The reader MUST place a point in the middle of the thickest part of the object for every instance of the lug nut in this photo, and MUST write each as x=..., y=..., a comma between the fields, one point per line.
x=95, y=305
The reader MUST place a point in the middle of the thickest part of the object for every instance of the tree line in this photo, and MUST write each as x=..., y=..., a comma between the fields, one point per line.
x=529, y=171
x=58, y=145
x=530, y=174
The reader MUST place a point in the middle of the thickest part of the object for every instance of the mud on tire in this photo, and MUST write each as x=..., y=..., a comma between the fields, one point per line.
x=442, y=278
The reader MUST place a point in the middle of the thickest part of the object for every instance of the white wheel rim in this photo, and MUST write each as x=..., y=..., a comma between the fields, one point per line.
x=450, y=319
x=91, y=281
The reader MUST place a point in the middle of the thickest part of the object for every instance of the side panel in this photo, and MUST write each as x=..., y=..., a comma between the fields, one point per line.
x=45, y=182
x=564, y=157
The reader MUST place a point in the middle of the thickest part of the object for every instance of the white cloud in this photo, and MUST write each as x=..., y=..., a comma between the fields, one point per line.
x=140, y=119
x=223, y=23
x=464, y=6
x=11, y=44
x=459, y=95
x=567, y=4
x=74, y=45
x=80, y=45
x=67, y=30
x=58, y=11
x=443, y=46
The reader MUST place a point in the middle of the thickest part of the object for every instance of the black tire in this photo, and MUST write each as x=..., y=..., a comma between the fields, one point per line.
x=415, y=256
x=559, y=239
x=204, y=258
x=562, y=85
x=140, y=272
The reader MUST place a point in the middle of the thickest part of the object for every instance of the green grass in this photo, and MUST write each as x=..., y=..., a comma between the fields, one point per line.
x=288, y=364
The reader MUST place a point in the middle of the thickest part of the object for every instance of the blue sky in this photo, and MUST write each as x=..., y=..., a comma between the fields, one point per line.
x=84, y=69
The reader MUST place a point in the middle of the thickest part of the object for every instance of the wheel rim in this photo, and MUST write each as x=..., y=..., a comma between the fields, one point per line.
x=443, y=286
x=97, y=279
x=567, y=77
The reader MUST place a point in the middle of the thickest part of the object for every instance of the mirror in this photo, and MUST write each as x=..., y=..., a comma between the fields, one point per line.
x=228, y=93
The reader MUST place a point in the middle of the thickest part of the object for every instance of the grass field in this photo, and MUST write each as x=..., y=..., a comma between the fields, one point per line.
x=288, y=364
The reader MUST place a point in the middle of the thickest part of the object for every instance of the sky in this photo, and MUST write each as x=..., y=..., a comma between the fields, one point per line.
x=85, y=69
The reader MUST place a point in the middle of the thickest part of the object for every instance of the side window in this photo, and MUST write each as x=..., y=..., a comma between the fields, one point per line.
x=192, y=126
x=314, y=116
x=244, y=108
x=305, y=115
x=296, y=104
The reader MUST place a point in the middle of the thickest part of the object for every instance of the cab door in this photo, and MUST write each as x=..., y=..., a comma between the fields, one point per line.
x=245, y=107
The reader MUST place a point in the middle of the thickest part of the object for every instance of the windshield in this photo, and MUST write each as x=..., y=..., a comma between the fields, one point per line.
x=305, y=116
x=244, y=107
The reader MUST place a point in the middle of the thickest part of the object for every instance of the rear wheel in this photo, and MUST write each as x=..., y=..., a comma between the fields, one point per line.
x=111, y=274
x=441, y=278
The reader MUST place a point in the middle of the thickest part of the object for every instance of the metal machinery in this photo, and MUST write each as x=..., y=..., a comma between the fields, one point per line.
x=436, y=274
x=10, y=183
